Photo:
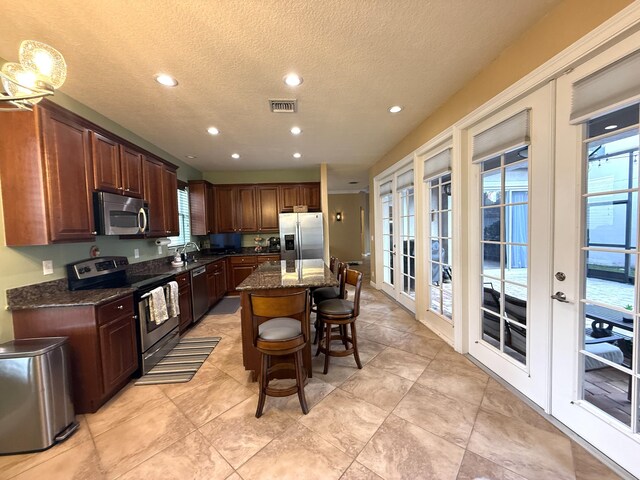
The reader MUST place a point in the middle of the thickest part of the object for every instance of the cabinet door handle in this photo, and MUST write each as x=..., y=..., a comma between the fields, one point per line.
x=119, y=307
x=94, y=233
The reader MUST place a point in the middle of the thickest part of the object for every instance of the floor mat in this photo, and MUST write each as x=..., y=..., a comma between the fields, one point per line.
x=226, y=306
x=181, y=363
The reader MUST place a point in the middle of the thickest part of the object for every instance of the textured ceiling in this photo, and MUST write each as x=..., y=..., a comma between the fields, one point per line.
x=357, y=58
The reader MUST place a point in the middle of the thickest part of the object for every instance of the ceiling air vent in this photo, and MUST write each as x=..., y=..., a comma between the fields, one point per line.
x=283, y=106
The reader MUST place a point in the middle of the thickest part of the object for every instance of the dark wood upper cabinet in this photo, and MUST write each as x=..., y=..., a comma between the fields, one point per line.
x=161, y=193
x=46, y=175
x=52, y=160
x=300, y=194
x=310, y=196
x=225, y=209
x=201, y=207
x=267, y=208
x=131, y=168
x=152, y=173
x=246, y=209
x=288, y=197
x=106, y=164
x=170, y=200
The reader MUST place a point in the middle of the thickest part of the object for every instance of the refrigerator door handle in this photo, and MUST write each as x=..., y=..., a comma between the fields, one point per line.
x=299, y=240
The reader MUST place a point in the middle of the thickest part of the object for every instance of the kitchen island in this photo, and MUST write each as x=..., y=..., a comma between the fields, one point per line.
x=279, y=278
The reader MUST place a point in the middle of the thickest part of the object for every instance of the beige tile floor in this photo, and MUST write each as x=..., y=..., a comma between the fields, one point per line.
x=417, y=410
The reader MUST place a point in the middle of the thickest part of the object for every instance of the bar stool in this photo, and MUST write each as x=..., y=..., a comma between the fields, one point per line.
x=280, y=327
x=342, y=313
x=328, y=293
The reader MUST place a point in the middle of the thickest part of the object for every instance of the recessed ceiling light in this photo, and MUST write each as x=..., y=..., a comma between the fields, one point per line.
x=190, y=157
x=235, y=156
x=297, y=155
x=166, y=80
x=610, y=127
x=213, y=130
x=293, y=80
x=296, y=130
x=395, y=109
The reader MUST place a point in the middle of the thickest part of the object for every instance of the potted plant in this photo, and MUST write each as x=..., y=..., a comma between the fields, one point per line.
x=627, y=316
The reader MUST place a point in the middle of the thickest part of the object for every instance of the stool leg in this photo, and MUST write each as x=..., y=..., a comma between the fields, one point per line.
x=343, y=334
x=263, y=384
x=297, y=359
x=327, y=347
x=319, y=331
x=354, y=341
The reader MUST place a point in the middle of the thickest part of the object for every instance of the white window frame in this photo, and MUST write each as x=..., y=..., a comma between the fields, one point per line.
x=184, y=219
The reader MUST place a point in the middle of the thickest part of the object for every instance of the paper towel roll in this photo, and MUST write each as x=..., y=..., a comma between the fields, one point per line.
x=163, y=241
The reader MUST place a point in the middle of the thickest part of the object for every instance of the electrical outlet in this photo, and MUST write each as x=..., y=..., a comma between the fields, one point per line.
x=136, y=253
x=47, y=267
x=159, y=249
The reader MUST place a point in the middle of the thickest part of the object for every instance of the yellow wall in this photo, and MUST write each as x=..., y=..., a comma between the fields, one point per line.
x=23, y=265
x=344, y=236
x=264, y=176
x=561, y=27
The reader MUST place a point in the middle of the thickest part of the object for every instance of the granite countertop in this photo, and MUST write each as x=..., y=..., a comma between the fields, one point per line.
x=290, y=274
x=56, y=294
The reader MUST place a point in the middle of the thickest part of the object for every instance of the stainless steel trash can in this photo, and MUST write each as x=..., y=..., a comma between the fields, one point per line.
x=36, y=408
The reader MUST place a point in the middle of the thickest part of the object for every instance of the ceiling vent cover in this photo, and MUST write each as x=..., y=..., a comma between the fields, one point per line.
x=283, y=106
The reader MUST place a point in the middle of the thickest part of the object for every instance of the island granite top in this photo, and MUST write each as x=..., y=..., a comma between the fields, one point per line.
x=290, y=274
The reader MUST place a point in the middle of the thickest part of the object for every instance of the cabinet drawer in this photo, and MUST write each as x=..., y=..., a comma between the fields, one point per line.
x=268, y=258
x=215, y=267
x=248, y=260
x=117, y=308
x=184, y=279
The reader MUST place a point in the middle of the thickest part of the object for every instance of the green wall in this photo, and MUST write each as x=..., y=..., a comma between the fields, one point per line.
x=23, y=265
x=264, y=176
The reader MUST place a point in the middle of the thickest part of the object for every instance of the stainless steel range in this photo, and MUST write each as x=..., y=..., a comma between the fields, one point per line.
x=154, y=340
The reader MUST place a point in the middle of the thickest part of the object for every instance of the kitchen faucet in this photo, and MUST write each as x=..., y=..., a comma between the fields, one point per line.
x=183, y=253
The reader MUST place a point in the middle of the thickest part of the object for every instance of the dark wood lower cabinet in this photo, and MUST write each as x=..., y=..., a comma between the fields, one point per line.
x=102, y=341
x=216, y=281
x=117, y=351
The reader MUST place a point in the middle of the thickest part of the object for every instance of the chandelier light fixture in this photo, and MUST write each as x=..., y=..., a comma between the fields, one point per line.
x=41, y=71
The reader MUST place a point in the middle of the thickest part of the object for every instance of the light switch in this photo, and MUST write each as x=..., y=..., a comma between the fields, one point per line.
x=47, y=267
x=136, y=253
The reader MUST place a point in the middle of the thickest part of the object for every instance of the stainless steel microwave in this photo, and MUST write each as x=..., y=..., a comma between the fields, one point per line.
x=120, y=215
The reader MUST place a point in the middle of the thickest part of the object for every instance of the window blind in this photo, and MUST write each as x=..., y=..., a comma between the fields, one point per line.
x=386, y=188
x=184, y=219
x=437, y=165
x=606, y=90
x=405, y=180
x=506, y=135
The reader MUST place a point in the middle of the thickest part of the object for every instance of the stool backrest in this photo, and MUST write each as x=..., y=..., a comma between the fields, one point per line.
x=342, y=276
x=291, y=305
x=354, y=278
x=333, y=263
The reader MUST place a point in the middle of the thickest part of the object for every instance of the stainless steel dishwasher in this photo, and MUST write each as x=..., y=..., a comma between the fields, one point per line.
x=199, y=292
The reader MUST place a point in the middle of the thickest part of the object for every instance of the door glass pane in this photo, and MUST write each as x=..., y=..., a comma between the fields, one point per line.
x=610, y=255
x=440, y=245
x=407, y=239
x=504, y=249
x=491, y=224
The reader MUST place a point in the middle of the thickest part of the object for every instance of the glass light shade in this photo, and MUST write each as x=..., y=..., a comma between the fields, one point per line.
x=45, y=61
x=18, y=81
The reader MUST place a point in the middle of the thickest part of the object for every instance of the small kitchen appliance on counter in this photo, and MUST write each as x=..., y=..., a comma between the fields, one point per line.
x=36, y=408
x=274, y=244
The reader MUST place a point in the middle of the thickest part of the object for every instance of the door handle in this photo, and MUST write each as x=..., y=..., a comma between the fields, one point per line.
x=561, y=297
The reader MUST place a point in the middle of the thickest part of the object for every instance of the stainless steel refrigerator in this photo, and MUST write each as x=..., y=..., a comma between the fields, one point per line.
x=301, y=236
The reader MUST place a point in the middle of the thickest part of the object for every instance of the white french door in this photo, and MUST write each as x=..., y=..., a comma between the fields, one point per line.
x=595, y=317
x=510, y=239
x=398, y=212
